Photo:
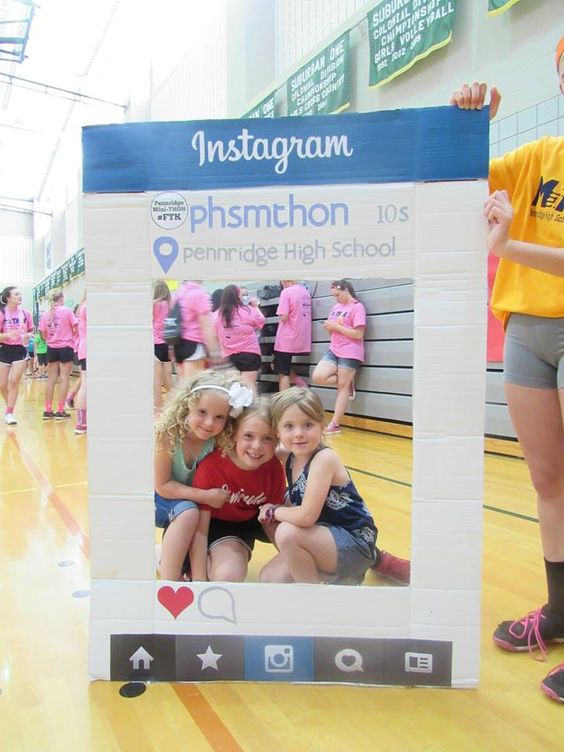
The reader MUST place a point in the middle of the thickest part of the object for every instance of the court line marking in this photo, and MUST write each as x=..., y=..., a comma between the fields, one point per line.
x=19, y=490
x=71, y=524
x=210, y=724
x=205, y=717
x=490, y=508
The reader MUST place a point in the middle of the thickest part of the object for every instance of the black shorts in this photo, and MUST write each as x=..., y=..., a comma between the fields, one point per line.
x=245, y=533
x=60, y=354
x=161, y=352
x=282, y=362
x=42, y=359
x=10, y=354
x=82, y=363
x=184, y=350
x=245, y=361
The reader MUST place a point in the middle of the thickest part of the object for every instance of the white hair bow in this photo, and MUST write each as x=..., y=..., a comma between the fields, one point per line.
x=239, y=397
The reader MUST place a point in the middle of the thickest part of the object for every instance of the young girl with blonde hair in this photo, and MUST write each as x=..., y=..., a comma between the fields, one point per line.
x=328, y=533
x=196, y=417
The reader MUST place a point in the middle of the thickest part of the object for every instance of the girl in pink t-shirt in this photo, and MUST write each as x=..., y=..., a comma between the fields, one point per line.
x=198, y=339
x=16, y=328
x=58, y=327
x=346, y=324
x=162, y=371
x=237, y=325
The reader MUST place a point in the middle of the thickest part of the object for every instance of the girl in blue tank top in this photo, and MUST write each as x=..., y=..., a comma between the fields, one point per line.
x=327, y=534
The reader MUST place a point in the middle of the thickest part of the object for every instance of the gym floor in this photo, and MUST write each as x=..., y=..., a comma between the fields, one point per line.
x=47, y=702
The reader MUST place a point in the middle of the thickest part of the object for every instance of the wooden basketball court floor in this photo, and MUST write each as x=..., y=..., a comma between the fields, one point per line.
x=47, y=703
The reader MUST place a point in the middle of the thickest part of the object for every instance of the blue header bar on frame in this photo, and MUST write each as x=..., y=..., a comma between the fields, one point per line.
x=435, y=143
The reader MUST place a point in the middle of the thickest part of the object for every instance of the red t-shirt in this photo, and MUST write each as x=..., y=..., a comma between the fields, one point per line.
x=249, y=489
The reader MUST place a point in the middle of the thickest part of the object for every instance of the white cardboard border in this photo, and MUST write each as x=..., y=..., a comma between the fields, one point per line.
x=443, y=602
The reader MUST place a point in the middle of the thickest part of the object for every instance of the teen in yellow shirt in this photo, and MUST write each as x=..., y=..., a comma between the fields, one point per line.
x=525, y=212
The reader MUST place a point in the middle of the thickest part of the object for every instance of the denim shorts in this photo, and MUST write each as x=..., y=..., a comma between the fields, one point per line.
x=534, y=351
x=351, y=363
x=354, y=556
x=167, y=510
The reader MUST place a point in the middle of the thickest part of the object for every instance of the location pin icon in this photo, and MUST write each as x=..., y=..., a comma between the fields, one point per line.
x=167, y=258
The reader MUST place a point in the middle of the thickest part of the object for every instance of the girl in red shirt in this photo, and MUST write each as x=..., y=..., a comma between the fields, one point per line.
x=252, y=475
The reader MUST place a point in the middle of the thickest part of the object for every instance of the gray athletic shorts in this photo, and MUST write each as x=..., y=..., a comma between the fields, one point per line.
x=534, y=351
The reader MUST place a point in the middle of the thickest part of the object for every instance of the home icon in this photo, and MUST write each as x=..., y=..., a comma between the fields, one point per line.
x=141, y=660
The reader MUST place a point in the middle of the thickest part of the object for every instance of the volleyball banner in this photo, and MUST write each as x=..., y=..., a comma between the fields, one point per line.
x=495, y=7
x=401, y=32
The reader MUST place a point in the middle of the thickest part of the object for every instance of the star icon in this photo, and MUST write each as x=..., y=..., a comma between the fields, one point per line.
x=209, y=658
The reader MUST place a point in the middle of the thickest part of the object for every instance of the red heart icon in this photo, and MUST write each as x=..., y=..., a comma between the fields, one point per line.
x=175, y=601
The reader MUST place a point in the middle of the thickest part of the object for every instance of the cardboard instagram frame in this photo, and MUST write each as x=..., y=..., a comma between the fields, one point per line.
x=150, y=189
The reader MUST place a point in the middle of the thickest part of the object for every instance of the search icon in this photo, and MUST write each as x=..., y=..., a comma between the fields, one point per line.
x=349, y=660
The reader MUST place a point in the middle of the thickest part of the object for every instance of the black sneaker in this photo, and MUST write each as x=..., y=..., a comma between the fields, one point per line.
x=532, y=632
x=61, y=415
x=553, y=684
x=48, y=414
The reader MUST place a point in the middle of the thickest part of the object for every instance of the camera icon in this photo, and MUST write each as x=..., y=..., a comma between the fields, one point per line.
x=278, y=659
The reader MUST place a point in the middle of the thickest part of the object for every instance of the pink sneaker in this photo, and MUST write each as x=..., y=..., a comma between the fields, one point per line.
x=553, y=684
x=393, y=568
x=298, y=381
x=533, y=632
x=80, y=429
x=332, y=429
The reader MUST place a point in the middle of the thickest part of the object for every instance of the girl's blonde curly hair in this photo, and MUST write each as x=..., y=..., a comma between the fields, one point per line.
x=170, y=428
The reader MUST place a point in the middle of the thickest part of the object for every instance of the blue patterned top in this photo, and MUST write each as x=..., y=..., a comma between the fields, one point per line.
x=343, y=507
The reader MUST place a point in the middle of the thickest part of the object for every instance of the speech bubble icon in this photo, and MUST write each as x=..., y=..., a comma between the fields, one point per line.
x=349, y=660
x=217, y=603
x=165, y=249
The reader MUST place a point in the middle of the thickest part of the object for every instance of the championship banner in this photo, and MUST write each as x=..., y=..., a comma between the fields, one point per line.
x=62, y=275
x=322, y=86
x=400, y=34
x=264, y=109
x=495, y=7
x=359, y=195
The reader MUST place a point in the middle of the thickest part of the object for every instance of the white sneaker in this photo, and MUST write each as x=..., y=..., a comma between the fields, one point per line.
x=10, y=419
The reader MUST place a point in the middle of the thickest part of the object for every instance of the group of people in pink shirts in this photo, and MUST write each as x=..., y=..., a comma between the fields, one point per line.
x=65, y=335
x=228, y=334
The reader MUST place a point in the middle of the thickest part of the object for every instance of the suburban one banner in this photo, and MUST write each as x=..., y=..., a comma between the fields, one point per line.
x=322, y=86
x=401, y=32
x=264, y=109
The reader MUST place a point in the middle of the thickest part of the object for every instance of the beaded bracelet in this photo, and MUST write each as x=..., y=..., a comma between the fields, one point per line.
x=269, y=514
